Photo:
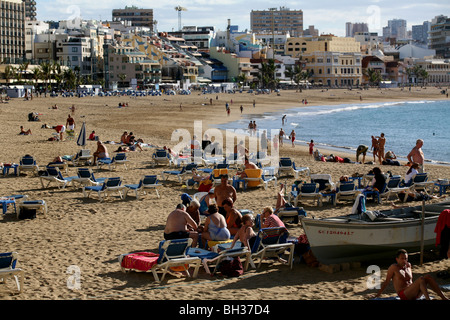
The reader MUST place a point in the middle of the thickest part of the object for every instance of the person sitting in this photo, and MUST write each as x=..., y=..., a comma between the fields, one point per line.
x=270, y=220
x=378, y=181
x=233, y=216
x=180, y=225
x=194, y=211
x=205, y=202
x=24, y=132
x=92, y=136
x=246, y=235
x=411, y=173
x=101, y=152
x=247, y=165
x=215, y=228
x=124, y=138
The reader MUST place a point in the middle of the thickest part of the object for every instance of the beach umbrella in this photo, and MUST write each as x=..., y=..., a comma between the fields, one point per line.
x=81, y=141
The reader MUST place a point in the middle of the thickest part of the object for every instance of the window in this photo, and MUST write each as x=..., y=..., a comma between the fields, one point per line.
x=74, y=49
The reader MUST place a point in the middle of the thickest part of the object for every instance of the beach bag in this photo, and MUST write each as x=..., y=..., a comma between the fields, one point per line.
x=231, y=268
x=26, y=213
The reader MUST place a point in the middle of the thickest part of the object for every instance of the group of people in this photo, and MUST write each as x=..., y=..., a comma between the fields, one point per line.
x=129, y=142
x=252, y=127
x=223, y=221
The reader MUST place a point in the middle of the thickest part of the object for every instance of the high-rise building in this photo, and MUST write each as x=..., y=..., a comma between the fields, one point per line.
x=396, y=28
x=420, y=32
x=439, y=36
x=352, y=28
x=30, y=9
x=282, y=20
x=137, y=16
x=12, y=36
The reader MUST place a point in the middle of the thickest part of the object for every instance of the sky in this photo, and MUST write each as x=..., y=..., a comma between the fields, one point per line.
x=328, y=16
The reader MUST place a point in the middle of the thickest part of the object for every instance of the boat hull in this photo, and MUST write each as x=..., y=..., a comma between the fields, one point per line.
x=346, y=241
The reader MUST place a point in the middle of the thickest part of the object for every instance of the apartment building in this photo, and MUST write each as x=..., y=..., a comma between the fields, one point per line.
x=330, y=60
x=126, y=66
x=12, y=30
x=282, y=20
x=137, y=16
x=352, y=28
x=439, y=36
x=30, y=9
x=438, y=70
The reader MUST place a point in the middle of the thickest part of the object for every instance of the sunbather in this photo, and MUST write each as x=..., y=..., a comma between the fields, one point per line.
x=24, y=132
x=233, y=216
x=246, y=235
x=178, y=224
x=215, y=228
x=101, y=152
x=401, y=275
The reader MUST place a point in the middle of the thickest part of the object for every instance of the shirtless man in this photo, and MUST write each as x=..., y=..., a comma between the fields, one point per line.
x=402, y=278
x=224, y=191
x=101, y=152
x=70, y=123
x=381, y=144
x=247, y=165
x=416, y=155
x=178, y=224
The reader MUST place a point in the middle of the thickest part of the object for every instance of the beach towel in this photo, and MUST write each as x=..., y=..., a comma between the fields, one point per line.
x=142, y=261
x=443, y=221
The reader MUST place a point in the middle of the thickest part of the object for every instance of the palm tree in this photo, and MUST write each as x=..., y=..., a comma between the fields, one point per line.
x=9, y=73
x=267, y=73
x=373, y=75
x=36, y=75
x=57, y=73
x=241, y=79
x=69, y=78
x=122, y=76
x=46, y=72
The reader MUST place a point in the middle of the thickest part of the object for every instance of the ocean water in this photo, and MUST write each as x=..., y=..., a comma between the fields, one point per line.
x=344, y=127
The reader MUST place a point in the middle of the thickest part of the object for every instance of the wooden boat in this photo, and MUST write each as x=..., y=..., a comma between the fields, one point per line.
x=358, y=238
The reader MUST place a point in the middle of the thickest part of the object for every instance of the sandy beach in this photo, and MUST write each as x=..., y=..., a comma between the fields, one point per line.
x=90, y=235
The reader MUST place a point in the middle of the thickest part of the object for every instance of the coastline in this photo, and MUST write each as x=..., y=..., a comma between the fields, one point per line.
x=90, y=235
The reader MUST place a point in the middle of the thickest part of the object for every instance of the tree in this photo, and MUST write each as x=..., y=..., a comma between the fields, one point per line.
x=373, y=75
x=36, y=76
x=69, y=78
x=46, y=72
x=267, y=74
x=122, y=76
x=241, y=79
x=9, y=73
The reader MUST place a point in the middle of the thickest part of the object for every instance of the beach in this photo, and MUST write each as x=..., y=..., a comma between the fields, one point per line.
x=86, y=235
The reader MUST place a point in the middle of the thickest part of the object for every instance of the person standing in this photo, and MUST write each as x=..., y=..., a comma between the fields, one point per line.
x=416, y=155
x=311, y=147
x=292, y=136
x=381, y=144
x=70, y=123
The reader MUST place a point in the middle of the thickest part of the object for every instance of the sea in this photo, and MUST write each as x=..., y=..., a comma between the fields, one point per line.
x=344, y=127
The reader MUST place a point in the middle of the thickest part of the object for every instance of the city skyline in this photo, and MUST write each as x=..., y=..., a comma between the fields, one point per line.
x=214, y=13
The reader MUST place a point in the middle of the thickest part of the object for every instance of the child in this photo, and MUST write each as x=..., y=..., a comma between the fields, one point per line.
x=246, y=234
x=311, y=147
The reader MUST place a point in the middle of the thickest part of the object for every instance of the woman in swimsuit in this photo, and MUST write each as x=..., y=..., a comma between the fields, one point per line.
x=233, y=216
x=246, y=235
x=215, y=226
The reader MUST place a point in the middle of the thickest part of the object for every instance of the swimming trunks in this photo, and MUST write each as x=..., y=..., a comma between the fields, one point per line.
x=176, y=235
x=401, y=295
